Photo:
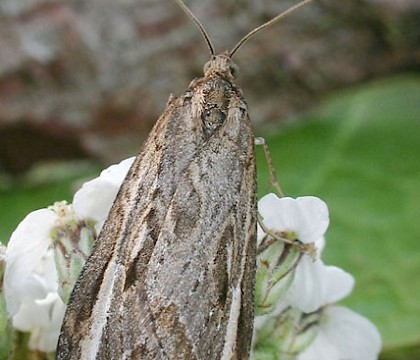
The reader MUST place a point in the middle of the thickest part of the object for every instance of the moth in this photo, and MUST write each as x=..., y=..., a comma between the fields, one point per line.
x=171, y=275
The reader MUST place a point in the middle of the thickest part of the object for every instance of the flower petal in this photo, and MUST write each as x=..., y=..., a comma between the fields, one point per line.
x=94, y=200
x=116, y=173
x=29, y=243
x=305, y=293
x=316, y=285
x=43, y=319
x=321, y=348
x=336, y=285
x=25, y=255
x=344, y=334
x=307, y=216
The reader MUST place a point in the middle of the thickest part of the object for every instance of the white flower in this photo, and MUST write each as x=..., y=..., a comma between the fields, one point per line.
x=27, y=259
x=316, y=285
x=42, y=318
x=344, y=334
x=94, y=200
x=30, y=280
x=306, y=217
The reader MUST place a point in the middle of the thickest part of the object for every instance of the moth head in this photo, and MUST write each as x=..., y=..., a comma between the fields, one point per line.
x=221, y=64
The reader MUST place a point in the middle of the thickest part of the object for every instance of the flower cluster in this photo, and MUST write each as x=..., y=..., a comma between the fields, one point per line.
x=46, y=252
x=295, y=290
x=30, y=280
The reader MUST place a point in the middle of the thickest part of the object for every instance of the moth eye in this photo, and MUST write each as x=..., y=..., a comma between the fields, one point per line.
x=234, y=70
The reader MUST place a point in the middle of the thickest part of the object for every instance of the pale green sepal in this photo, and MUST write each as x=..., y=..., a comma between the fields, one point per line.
x=275, y=270
x=285, y=335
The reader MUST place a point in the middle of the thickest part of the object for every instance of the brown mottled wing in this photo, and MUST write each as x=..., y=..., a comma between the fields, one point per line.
x=171, y=275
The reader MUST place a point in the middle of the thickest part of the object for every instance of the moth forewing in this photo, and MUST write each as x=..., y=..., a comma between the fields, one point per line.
x=171, y=275
x=120, y=254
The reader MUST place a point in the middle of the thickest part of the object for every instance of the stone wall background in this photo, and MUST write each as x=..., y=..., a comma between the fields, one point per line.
x=88, y=78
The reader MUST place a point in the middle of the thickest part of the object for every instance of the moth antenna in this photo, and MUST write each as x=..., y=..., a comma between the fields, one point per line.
x=187, y=11
x=266, y=25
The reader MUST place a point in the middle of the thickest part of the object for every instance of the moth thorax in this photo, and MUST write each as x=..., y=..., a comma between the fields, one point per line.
x=213, y=117
x=221, y=64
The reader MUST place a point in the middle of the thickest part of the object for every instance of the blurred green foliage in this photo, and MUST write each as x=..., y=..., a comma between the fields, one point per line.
x=360, y=152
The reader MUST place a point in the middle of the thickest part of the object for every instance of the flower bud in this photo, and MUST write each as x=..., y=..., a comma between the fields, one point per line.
x=285, y=335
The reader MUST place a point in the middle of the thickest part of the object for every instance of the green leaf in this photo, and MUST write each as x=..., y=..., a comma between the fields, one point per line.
x=361, y=154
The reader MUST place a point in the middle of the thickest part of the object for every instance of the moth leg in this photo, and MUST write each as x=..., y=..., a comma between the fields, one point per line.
x=260, y=141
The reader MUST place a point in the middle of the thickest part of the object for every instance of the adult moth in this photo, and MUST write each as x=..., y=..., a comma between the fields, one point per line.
x=171, y=275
